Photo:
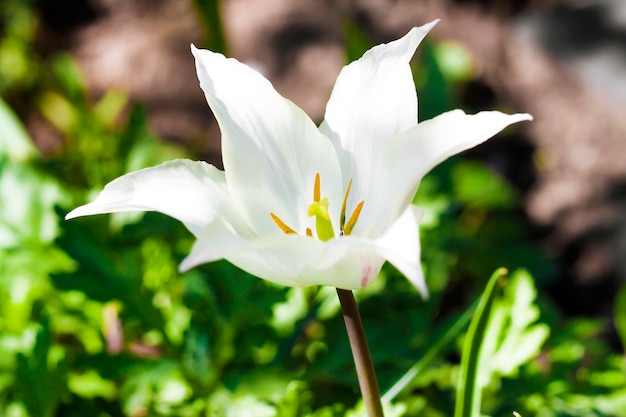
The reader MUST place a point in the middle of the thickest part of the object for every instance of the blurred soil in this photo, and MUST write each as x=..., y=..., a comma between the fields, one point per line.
x=562, y=61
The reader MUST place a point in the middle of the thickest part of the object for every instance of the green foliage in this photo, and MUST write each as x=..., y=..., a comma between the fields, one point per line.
x=209, y=15
x=576, y=375
x=512, y=337
x=620, y=315
x=96, y=320
x=14, y=141
x=469, y=396
x=501, y=338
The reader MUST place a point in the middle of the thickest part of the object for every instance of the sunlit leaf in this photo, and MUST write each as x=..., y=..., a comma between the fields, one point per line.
x=455, y=61
x=478, y=186
x=90, y=384
x=468, y=396
x=513, y=336
x=14, y=141
x=69, y=77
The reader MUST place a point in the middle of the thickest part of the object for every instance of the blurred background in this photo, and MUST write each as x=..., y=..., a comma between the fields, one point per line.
x=96, y=320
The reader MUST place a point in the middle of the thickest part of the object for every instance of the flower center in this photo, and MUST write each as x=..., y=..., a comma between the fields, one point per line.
x=319, y=210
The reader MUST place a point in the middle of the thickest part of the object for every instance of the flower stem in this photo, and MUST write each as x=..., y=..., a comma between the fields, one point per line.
x=361, y=354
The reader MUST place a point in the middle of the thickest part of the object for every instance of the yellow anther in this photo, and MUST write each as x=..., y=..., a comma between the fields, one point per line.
x=316, y=188
x=352, y=221
x=342, y=216
x=319, y=210
x=281, y=224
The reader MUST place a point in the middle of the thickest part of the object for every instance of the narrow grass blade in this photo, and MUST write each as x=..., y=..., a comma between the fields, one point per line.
x=453, y=330
x=468, y=394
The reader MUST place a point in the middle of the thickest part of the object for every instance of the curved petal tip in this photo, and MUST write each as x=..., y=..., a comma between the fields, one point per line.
x=79, y=211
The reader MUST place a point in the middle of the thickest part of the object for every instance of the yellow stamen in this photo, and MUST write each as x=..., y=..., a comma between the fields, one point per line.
x=342, y=216
x=281, y=224
x=309, y=232
x=355, y=216
x=316, y=188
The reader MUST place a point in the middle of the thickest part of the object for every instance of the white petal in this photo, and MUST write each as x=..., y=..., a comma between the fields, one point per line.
x=271, y=149
x=217, y=240
x=418, y=150
x=343, y=264
x=348, y=262
x=190, y=191
x=400, y=245
x=291, y=260
x=373, y=100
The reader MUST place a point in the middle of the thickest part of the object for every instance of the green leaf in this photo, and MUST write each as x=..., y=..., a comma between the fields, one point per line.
x=502, y=337
x=620, y=315
x=27, y=201
x=434, y=91
x=69, y=76
x=296, y=400
x=469, y=392
x=356, y=41
x=40, y=380
x=149, y=385
x=14, y=141
x=104, y=274
x=513, y=338
x=90, y=384
x=451, y=330
x=209, y=14
x=59, y=111
x=108, y=109
x=455, y=61
x=228, y=404
x=479, y=187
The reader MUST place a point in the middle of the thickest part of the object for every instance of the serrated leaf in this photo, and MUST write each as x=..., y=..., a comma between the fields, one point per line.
x=513, y=338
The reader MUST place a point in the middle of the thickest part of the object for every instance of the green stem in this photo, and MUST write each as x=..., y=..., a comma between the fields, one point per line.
x=209, y=13
x=361, y=354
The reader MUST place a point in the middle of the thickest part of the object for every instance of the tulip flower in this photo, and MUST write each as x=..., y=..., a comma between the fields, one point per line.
x=298, y=204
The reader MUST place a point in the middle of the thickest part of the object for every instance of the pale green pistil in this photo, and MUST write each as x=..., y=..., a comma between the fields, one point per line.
x=323, y=225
